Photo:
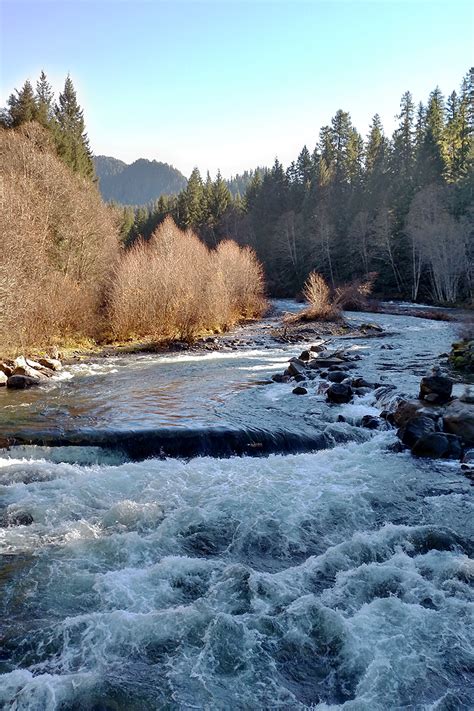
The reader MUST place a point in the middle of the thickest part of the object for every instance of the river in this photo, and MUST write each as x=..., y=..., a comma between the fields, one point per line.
x=334, y=578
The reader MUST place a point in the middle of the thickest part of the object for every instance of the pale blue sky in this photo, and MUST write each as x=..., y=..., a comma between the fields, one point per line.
x=233, y=84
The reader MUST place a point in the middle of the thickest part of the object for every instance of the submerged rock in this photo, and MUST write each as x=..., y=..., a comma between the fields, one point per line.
x=338, y=393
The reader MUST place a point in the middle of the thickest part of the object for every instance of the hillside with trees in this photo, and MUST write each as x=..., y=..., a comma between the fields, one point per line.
x=401, y=205
x=140, y=183
x=65, y=275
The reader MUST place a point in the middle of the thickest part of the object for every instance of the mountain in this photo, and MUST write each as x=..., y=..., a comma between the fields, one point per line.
x=139, y=183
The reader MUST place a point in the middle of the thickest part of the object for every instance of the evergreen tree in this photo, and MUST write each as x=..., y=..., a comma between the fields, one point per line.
x=193, y=202
x=220, y=199
x=72, y=142
x=21, y=107
x=44, y=102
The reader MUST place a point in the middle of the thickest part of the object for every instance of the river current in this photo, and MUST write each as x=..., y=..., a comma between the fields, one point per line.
x=337, y=578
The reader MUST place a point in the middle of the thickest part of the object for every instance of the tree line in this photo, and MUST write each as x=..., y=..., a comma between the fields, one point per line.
x=63, y=120
x=401, y=206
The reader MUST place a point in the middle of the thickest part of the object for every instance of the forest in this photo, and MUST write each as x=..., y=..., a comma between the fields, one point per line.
x=399, y=206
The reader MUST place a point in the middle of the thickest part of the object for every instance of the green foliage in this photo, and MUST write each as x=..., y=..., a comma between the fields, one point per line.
x=64, y=121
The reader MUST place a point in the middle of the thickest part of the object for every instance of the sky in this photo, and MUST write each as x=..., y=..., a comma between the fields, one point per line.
x=233, y=84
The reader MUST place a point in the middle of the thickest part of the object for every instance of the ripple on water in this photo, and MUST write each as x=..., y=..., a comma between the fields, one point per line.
x=338, y=579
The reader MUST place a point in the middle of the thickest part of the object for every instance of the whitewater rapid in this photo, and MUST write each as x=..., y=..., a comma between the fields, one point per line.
x=337, y=579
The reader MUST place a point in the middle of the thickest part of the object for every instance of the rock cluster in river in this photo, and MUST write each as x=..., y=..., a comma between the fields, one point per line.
x=435, y=425
x=331, y=368
x=24, y=372
x=462, y=355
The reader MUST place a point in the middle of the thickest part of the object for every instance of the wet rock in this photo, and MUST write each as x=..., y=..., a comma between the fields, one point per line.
x=371, y=327
x=415, y=429
x=299, y=378
x=363, y=383
x=24, y=367
x=21, y=382
x=468, y=395
x=436, y=388
x=459, y=420
x=50, y=363
x=341, y=418
x=7, y=367
x=339, y=393
x=18, y=518
x=299, y=390
x=361, y=391
x=406, y=410
x=3, y=378
x=280, y=378
x=370, y=422
x=462, y=355
x=336, y=376
x=467, y=462
x=317, y=348
x=296, y=367
x=322, y=363
x=305, y=356
x=438, y=445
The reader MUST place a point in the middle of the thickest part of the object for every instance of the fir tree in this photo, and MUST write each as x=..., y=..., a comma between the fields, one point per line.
x=72, y=141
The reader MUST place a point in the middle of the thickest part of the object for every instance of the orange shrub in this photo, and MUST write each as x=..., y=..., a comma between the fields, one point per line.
x=59, y=241
x=174, y=287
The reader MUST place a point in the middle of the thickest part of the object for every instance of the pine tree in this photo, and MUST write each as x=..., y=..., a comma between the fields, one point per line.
x=431, y=162
x=220, y=198
x=44, y=102
x=72, y=142
x=193, y=204
x=22, y=107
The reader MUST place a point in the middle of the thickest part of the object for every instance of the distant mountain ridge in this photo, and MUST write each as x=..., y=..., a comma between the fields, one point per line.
x=139, y=183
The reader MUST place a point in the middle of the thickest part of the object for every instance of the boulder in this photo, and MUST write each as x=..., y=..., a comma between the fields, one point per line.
x=20, y=382
x=339, y=393
x=305, y=356
x=415, y=429
x=336, y=376
x=438, y=445
x=370, y=422
x=296, y=367
x=50, y=363
x=436, y=388
x=299, y=390
x=3, y=378
x=459, y=420
x=406, y=410
x=7, y=367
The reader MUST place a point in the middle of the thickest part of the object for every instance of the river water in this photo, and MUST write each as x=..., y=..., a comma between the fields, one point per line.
x=337, y=578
